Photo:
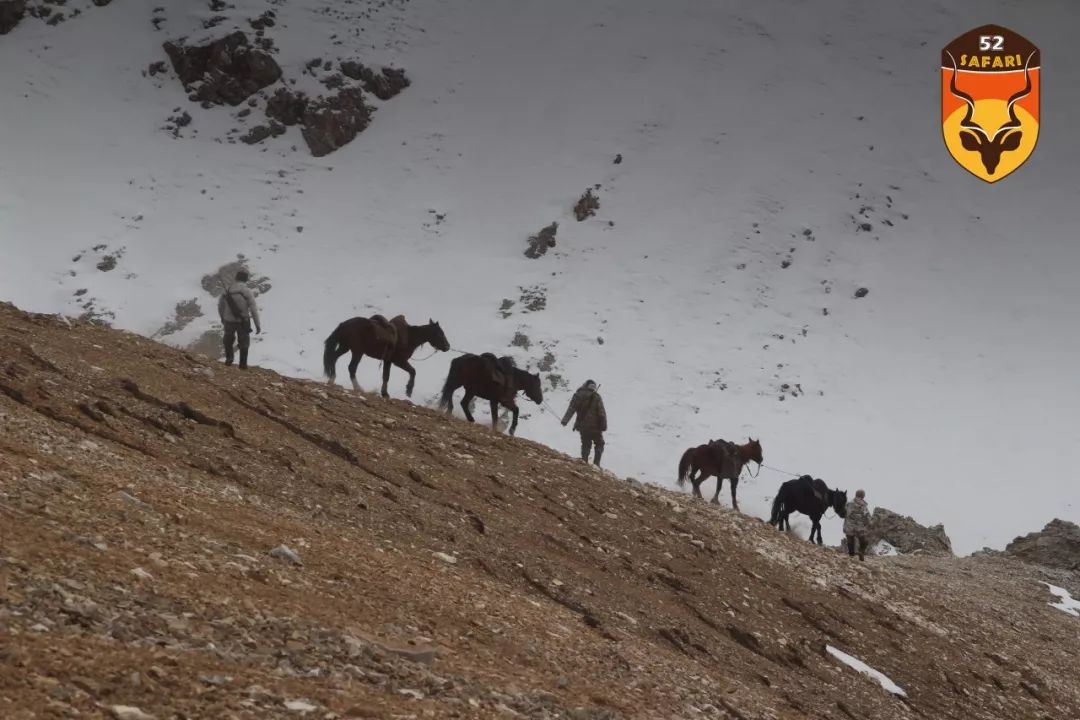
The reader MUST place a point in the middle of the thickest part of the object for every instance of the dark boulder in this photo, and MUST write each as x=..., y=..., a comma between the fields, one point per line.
x=226, y=71
x=333, y=122
x=287, y=107
x=11, y=12
x=383, y=85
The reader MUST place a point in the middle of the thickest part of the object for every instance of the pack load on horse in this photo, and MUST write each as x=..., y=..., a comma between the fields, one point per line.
x=721, y=458
x=811, y=497
x=497, y=380
x=391, y=341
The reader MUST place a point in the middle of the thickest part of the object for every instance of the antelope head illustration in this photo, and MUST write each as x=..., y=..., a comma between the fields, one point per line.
x=1006, y=138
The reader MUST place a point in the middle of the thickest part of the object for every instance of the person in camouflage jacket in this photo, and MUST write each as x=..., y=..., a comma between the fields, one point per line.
x=591, y=422
x=857, y=523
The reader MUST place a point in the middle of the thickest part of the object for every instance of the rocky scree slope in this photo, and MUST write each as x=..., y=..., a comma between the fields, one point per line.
x=434, y=569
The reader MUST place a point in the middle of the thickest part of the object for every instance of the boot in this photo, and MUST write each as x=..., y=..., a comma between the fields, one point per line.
x=243, y=358
x=228, y=356
x=597, y=455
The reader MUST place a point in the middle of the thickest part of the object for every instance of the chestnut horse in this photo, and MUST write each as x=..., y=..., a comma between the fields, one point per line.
x=392, y=341
x=495, y=380
x=722, y=459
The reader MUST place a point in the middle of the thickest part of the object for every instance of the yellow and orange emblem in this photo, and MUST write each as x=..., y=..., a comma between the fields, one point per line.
x=990, y=100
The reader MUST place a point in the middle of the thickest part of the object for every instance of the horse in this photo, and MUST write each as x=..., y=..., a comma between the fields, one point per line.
x=392, y=341
x=476, y=373
x=722, y=459
x=810, y=497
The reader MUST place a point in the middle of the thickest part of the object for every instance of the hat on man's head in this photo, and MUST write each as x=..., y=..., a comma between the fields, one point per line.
x=590, y=383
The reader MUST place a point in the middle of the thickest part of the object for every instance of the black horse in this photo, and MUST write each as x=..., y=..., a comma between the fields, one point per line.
x=810, y=497
x=495, y=380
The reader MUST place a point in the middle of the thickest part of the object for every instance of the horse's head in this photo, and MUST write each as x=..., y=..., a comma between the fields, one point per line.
x=754, y=447
x=532, y=387
x=438, y=337
x=839, y=502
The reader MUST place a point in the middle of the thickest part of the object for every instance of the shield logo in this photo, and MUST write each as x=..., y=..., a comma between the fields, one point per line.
x=990, y=80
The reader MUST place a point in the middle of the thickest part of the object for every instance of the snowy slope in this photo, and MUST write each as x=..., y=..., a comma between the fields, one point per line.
x=948, y=393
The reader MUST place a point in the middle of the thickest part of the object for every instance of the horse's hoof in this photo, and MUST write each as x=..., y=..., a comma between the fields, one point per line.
x=714, y=501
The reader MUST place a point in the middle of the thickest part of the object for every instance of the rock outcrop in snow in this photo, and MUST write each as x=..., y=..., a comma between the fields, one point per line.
x=226, y=71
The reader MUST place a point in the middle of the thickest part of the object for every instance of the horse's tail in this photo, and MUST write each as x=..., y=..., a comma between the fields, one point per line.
x=331, y=346
x=446, y=402
x=684, y=466
x=777, y=507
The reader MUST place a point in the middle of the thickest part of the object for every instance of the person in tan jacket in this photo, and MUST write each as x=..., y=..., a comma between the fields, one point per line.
x=591, y=421
x=237, y=310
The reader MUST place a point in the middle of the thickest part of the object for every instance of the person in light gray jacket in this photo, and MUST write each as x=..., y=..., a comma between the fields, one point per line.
x=238, y=311
x=857, y=523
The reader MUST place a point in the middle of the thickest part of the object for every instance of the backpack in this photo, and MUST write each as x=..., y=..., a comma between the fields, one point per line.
x=234, y=307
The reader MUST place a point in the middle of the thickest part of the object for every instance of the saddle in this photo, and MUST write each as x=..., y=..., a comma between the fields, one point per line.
x=499, y=369
x=384, y=329
x=726, y=455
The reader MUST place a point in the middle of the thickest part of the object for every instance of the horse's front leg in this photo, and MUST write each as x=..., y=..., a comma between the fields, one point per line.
x=815, y=528
x=353, y=363
x=465, y=402
x=734, y=487
x=513, y=423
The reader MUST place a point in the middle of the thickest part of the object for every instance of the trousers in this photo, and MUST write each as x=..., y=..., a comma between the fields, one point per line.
x=589, y=440
x=851, y=545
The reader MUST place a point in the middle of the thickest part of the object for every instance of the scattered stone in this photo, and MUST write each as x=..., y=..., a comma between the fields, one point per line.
x=618, y=159
x=132, y=500
x=541, y=242
x=142, y=574
x=445, y=558
x=261, y=132
x=284, y=552
x=586, y=206
x=862, y=292
x=383, y=85
x=300, y=706
x=128, y=712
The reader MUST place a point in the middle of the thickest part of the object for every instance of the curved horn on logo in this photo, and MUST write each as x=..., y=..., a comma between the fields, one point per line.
x=967, y=123
x=1014, y=122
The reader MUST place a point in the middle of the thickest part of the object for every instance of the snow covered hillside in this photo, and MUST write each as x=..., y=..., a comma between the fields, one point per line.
x=774, y=160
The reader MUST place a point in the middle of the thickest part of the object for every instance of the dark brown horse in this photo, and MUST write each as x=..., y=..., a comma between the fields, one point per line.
x=809, y=496
x=719, y=458
x=391, y=341
x=495, y=380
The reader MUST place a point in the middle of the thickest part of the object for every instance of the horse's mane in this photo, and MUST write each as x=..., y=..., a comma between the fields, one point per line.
x=508, y=361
